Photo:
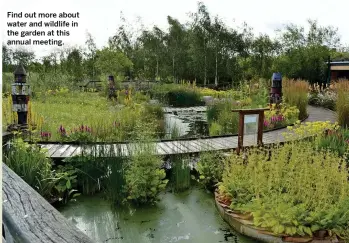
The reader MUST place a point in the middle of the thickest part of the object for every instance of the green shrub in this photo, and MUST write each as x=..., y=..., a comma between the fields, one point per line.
x=210, y=168
x=144, y=178
x=221, y=119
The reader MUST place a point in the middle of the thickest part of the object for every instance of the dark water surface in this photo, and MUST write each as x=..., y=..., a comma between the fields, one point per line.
x=183, y=217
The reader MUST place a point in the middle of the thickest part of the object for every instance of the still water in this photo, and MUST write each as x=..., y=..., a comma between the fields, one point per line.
x=188, y=123
x=190, y=216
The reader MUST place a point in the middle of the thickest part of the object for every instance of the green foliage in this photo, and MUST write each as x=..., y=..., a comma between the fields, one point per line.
x=180, y=175
x=30, y=163
x=210, y=167
x=177, y=95
x=112, y=62
x=144, y=178
x=342, y=103
x=292, y=189
x=66, y=183
x=100, y=119
x=221, y=119
x=295, y=93
x=336, y=141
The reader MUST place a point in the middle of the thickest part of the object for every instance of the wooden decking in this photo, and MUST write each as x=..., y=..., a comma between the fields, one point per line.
x=182, y=146
x=28, y=217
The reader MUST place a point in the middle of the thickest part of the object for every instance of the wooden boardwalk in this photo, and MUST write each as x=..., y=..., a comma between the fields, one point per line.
x=182, y=146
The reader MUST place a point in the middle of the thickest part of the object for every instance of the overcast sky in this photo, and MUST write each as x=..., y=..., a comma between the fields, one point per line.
x=101, y=18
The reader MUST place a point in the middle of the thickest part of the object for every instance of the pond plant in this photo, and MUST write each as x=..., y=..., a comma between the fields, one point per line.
x=289, y=190
x=210, y=167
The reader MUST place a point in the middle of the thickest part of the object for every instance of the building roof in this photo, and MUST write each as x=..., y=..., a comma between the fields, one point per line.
x=341, y=63
x=20, y=70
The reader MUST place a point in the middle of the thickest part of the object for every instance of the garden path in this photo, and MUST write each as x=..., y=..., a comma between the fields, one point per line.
x=184, y=146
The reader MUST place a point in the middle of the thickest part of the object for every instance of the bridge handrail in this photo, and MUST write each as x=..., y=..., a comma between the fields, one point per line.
x=28, y=217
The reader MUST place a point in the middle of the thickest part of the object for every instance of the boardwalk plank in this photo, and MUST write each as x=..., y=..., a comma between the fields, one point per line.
x=69, y=151
x=60, y=151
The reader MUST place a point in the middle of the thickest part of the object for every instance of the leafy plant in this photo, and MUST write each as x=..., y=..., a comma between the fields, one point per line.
x=210, y=167
x=292, y=189
x=144, y=178
x=29, y=161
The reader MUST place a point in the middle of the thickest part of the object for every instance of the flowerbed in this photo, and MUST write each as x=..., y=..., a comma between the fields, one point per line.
x=292, y=190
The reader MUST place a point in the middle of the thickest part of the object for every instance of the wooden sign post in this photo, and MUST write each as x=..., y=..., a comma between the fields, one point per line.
x=242, y=113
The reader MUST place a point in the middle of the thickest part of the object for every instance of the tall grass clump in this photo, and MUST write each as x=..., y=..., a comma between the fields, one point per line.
x=342, y=102
x=295, y=93
x=177, y=95
x=180, y=179
x=30, y=163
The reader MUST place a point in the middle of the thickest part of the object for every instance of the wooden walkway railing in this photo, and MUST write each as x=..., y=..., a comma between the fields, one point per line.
x=29, y=218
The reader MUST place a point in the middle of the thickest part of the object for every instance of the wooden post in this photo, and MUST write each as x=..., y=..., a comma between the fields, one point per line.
x=241, y=132
x=260, y=128
x=242, y=113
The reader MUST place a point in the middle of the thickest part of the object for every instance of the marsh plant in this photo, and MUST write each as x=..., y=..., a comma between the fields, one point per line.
x=144, y=177
x=180, y=172
x=291, y=189
x=30, y=163
x=295, y=93
x=342, y=103
x=210, y=167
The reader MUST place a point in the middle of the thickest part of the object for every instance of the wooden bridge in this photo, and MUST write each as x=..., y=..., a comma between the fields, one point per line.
x=60, y=151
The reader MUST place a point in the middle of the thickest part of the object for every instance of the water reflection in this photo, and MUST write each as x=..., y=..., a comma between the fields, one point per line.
x=185, y=217
x=188, y=123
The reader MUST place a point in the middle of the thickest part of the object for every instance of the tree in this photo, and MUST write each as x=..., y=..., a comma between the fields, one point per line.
x=111, y=61
x=6, y=58
x=74, y=64
x=23, y=56
x=176, y=46
x=90, y=55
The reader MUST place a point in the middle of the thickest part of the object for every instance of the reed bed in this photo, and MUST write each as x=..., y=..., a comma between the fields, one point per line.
x=342, y=102
x=295, y=93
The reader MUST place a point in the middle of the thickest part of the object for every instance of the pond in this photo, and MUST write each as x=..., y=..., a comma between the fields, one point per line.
x=188, y=123
x=190, y=216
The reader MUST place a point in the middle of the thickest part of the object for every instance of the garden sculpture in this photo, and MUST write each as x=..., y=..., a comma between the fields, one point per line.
x=20, y=94
x=276, y=89
x=112, y=89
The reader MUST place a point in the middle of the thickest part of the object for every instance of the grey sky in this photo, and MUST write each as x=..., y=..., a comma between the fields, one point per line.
x=101, y=18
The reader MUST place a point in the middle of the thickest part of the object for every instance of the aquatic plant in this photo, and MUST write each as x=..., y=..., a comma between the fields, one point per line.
x=30, y=162
x=210, y=167
x=144, y=178
x=180, y=172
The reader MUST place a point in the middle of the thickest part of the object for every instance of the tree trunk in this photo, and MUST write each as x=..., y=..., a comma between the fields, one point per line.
x=216, y=77
x=157, y=67
x=173, y=68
